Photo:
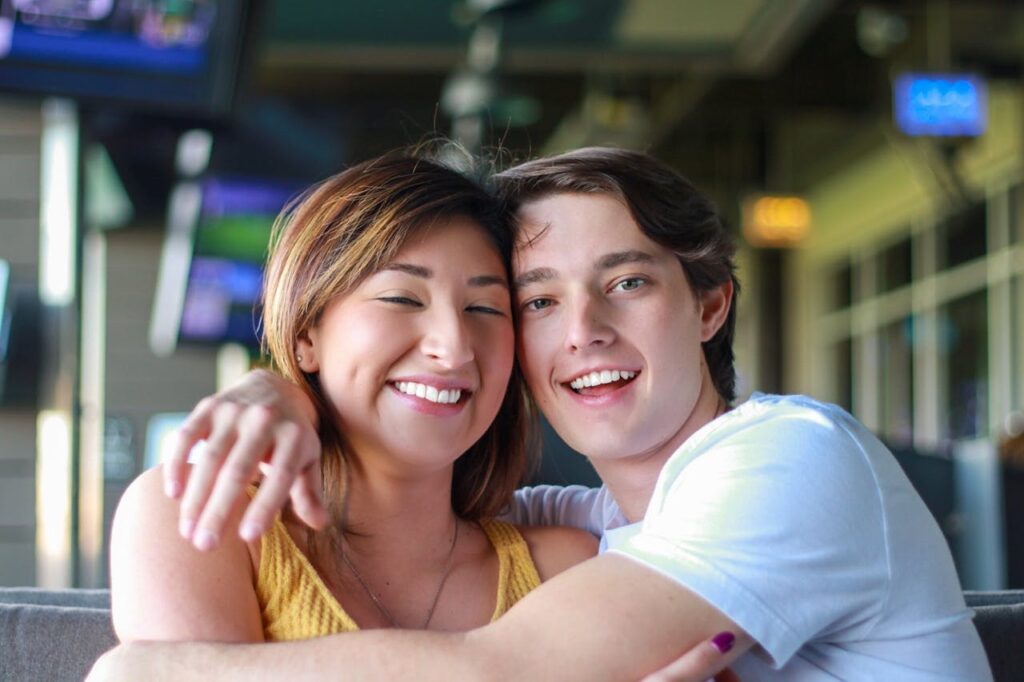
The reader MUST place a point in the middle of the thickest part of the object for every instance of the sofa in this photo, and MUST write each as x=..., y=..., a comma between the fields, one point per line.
x=56, y=635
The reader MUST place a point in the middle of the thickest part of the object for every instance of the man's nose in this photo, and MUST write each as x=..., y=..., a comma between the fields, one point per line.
x=588, y=325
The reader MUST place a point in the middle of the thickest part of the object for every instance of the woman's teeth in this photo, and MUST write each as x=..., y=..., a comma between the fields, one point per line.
x=445, y=397
x=598, y=378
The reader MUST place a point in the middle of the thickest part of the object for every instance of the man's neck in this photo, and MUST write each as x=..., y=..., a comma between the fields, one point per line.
x=631, y=480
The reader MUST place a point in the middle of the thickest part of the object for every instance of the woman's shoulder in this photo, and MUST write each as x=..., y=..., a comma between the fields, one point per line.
x=162, y=588
x=557, y=548
x=144, y=502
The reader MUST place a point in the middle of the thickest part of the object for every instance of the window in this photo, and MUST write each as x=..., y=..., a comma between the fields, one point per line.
x=841, y=287
x=897, y=381
x=1016, y=215
x=895, y=268
x=963, y=330
x=963, y=237
x=1017, y=352
x=842, y=365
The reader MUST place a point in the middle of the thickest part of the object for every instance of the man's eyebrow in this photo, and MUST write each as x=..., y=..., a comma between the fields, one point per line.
x=535, y=276
x=408, y=268
x=618, y=258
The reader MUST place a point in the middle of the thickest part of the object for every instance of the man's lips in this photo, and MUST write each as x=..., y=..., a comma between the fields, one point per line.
x=600, y=381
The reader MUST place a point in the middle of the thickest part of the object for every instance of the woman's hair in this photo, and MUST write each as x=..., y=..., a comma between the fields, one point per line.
x=668, y=209
x=334, y=236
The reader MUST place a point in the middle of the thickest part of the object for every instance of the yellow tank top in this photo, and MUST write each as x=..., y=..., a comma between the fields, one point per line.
x=296, y=604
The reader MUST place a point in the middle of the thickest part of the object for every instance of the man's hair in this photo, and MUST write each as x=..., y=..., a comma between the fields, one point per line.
x=668, y=209
x=343, y=230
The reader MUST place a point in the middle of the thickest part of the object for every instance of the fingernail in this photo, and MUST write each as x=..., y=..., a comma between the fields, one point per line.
x=723, y=641
x=185, y=527
x=172, y=488
x=249, y=531
x=204, y=540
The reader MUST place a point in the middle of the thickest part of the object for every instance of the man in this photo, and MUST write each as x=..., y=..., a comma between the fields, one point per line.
x=782, y=517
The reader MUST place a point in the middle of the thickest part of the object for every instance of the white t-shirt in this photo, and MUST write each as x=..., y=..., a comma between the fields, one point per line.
x=793, y=520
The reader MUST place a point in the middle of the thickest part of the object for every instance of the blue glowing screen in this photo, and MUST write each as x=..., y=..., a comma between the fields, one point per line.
x=943, y=105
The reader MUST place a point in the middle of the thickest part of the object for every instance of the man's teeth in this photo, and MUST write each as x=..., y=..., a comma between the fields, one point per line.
x=603, y=377
x=445, y=397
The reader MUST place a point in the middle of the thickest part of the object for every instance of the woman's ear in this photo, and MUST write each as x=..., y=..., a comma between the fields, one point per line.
x=714, y=309
x=305, y=352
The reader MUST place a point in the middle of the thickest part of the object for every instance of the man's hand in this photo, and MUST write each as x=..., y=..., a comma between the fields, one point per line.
x=262, y=423
x=702, y=662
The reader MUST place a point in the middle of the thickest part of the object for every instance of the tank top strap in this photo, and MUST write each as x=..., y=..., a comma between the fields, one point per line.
x=517, y=573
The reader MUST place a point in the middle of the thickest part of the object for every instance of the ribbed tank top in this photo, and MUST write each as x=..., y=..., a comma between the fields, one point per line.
x=296, y=604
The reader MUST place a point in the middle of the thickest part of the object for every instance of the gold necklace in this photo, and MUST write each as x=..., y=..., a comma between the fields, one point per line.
x=437, y=595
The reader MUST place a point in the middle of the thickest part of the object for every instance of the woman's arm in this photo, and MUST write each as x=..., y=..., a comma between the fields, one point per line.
x=162, y=588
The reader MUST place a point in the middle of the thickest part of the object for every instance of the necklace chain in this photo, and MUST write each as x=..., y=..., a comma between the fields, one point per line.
x=437, y=594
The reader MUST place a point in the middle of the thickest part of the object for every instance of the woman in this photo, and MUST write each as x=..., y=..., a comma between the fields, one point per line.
x=387, y=300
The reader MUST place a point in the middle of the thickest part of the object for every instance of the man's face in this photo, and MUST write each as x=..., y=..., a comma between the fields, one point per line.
x=610, y=329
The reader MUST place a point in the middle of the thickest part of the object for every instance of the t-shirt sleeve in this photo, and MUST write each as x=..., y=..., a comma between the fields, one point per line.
x=553, y=505
x=778, y=525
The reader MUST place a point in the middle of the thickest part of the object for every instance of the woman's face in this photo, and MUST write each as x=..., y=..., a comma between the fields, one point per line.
x=415, y=361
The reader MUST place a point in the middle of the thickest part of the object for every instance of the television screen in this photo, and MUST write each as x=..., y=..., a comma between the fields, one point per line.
x=181, y=55
x=212, y=265
x=941, y=105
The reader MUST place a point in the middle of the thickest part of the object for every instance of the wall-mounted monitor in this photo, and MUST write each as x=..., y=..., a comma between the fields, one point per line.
x=211, y=269
x=181, y=56
x=940, y=104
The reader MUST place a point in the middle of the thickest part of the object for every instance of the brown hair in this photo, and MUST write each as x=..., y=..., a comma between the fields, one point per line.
x=668, y=209
x=345, y=229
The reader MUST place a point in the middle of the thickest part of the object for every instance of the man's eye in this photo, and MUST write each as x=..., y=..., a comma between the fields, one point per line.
x=630, y=284
x=539, y=304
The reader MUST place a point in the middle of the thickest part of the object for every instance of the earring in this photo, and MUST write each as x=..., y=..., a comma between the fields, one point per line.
x=298, y=358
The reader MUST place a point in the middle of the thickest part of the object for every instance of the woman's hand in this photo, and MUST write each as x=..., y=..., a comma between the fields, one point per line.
x=262, y=423
x=706, y=660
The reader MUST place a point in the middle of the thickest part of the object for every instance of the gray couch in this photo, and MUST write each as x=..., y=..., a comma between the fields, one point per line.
x=54, y=636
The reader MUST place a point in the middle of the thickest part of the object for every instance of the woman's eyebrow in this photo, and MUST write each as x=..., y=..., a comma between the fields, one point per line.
x=427, y=273
x=488, y=280
x=409, y=268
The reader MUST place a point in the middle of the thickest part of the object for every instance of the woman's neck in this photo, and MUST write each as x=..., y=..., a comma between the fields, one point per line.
x=393, y=514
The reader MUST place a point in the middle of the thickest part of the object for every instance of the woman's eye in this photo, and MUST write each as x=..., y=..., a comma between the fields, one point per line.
x=539, y=304
x=629, y=284
x=399, y=300
x=485, y=309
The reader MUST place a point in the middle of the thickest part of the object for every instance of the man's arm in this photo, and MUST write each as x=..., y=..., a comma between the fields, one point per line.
x=263, y=422
x=609, y=618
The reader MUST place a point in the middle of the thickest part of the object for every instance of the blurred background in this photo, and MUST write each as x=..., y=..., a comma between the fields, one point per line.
x=868, y=155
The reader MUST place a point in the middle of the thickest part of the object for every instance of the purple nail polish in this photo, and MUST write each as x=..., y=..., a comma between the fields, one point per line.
x=186, y=527
x=723, y=641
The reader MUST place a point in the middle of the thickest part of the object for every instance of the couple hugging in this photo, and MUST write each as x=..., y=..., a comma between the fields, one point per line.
x=415, y=319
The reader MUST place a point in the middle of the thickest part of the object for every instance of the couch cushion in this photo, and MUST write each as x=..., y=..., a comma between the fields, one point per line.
x=999, y=617
x=90, y=599
x=52, y=642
